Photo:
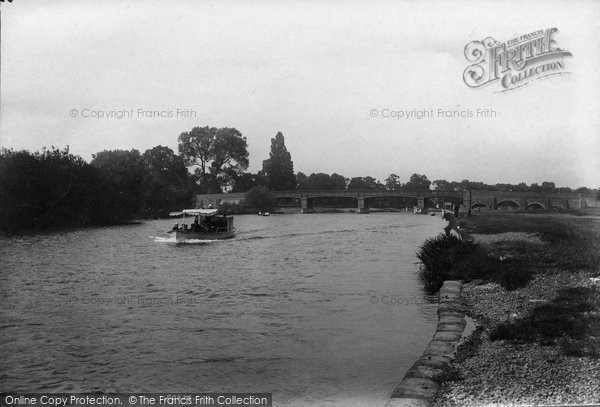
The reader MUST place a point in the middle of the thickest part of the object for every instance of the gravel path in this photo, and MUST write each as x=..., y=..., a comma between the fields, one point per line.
x=499, y=373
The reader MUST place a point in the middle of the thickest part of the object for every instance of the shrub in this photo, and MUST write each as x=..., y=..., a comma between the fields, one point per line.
x=511, y=275
x=441, y=257
x=447, y=257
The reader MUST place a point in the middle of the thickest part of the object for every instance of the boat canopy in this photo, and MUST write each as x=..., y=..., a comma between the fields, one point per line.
x=194, y=212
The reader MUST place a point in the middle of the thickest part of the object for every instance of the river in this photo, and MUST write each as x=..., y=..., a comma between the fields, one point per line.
x=320, y=309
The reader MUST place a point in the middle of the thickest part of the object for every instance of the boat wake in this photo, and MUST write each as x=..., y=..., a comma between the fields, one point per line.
x=172, y=240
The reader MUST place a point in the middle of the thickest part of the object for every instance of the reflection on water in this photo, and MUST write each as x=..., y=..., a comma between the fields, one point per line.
x=286, y=306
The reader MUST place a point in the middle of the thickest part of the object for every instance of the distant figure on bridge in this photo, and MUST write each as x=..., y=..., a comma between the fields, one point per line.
x=456, y=211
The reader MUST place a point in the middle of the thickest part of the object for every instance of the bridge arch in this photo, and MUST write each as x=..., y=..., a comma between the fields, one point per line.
x=535, y=205
x=479, y=205
x=507, y=203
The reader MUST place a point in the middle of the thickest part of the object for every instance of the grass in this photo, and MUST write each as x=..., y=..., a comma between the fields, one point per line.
x=573, y=241
x=571, y=320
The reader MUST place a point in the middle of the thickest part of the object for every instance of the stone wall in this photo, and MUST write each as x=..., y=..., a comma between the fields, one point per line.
x=422, y=382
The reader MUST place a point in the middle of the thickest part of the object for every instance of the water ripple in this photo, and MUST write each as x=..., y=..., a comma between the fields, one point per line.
x=284, y=307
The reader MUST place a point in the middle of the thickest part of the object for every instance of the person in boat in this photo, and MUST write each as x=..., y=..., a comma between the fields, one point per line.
x=176, y=226
x=209, y=224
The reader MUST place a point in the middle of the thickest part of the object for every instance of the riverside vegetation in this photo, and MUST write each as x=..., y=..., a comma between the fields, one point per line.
x=532, y=286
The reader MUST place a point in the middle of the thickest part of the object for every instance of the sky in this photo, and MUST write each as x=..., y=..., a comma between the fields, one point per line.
x=329, y=75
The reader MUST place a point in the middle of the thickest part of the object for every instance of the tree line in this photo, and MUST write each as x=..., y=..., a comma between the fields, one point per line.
x=53, y=187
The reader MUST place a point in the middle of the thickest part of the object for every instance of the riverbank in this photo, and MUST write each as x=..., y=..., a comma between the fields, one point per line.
x=540, y=343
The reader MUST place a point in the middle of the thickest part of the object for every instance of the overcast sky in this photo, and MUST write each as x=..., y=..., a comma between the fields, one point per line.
x=314, y=71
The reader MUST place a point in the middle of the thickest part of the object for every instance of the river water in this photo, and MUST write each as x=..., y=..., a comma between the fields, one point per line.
x=320, y=309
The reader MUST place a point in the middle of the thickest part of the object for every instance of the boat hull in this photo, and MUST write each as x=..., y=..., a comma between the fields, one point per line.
x=183, y=235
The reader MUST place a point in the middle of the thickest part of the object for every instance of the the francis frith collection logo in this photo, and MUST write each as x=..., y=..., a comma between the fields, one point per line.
x=516, y=62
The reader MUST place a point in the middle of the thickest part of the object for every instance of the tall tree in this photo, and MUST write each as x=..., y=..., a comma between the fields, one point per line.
x=214, y=154
x=279, y=168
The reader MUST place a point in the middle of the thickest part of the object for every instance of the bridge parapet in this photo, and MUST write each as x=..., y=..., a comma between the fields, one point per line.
x=469, y=198
x=367, y=193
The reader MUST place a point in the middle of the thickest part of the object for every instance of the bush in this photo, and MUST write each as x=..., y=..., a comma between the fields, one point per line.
x=511, y=275
x=447, y=257
x=441, y=258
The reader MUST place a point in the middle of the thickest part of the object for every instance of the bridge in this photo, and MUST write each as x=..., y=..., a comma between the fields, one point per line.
x=363, y=195
x=530, y=200
x=491, y=200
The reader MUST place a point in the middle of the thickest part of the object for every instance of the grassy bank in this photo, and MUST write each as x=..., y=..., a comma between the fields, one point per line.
x=549, y=244
x=538, y=340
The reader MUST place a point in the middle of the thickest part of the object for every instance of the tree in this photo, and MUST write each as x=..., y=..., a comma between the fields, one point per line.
x=246, y=181
x=167, y=185
x=302, y=181
x=466, y=184
x=320, y=181
x=584, y=190
x=56, y=188
x=535, y=187
x=392, y=183
x=214, y=154
x=548, y=186
x=418, y=181
x=279, y=168
x=126, y=172
x=260, y=198
x=338, y=181
x=357, y=183
x=521, y=186
x=442, y=185
x=365, y=183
